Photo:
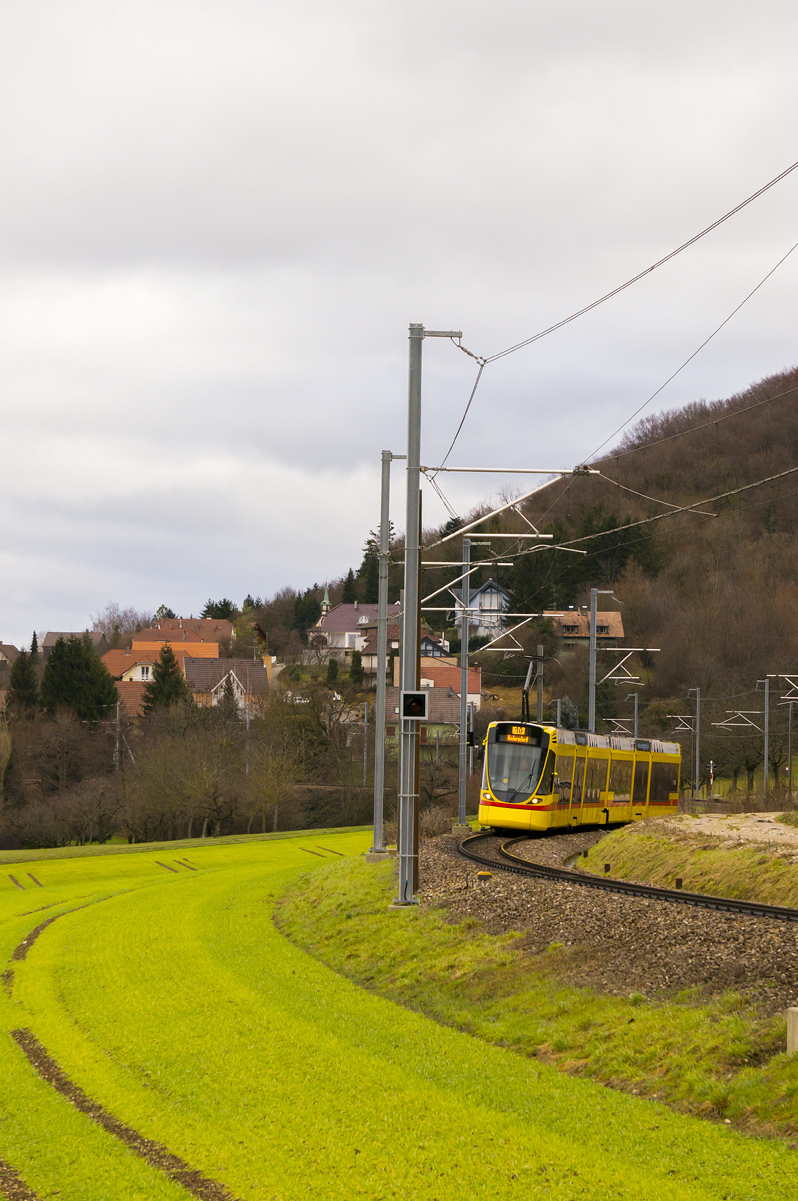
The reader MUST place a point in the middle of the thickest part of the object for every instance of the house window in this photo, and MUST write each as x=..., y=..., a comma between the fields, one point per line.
x=145, y=671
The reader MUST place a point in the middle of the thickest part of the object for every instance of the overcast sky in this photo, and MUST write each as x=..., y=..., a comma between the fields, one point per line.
x=217, y=221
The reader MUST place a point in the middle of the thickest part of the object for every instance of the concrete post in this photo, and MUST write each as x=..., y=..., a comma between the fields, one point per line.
x=792, y=1031
x=378, y=852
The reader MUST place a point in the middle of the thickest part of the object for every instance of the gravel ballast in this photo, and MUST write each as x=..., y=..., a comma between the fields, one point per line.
x=613, y=943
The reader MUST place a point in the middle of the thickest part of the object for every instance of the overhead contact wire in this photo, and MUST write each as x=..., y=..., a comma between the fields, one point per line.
x=642, y=274
x=483, y=361
x=697, y=351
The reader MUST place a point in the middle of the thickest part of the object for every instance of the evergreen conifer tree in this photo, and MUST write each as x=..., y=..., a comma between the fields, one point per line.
x=349, y=594
x=371, y=579
x=307, y=612
x=332, y=673
x=22, y=699
x=74, y=677
x=224, y=608
x=168, y=685
x=569, y=715
x=356, y=669
x=227, y=707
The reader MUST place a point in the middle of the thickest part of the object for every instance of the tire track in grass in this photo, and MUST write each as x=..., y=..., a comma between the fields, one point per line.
x=155, y=1154
x=12, y=1186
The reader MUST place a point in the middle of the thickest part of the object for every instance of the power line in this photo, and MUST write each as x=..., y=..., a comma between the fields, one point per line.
x=661, y=516
x=697, y=351
x=636, y=278
x=465, y=414
x=483, y=361
x=704, y=425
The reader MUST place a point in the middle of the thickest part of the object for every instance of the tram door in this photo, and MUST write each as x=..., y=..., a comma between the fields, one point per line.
x=640, y=792
x=576, y=791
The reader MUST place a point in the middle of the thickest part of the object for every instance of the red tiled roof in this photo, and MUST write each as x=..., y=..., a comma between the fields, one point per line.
x=131, y=694
x=447, y=675
x=443, y=706
x=206, y=629
x=120, y=661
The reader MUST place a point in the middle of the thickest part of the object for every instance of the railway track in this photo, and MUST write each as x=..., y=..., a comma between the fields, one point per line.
x=678, y=896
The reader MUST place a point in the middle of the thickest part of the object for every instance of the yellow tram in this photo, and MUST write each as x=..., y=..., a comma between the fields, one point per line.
x=537, y=777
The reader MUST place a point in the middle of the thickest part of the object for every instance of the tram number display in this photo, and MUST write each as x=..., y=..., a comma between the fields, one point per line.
x=518, y=734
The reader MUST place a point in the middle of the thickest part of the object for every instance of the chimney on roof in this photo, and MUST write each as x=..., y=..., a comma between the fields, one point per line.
x=356, y=606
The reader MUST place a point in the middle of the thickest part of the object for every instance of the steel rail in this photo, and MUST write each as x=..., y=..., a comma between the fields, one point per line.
x=523, y=867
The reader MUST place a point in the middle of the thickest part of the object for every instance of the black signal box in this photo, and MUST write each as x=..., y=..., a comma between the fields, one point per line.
x=414, y=705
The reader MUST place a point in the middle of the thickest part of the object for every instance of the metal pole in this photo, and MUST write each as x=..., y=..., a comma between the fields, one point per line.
x=767, y=735
x=637, y=698
x=559, y=703
x=591, y=687
x=408, y=728
x=789, y=754
x=697, y=748
x=540, y=684
x=117, y=748
x=377, y=846
x=365, y=742
x=246, y=765
x=464, y=631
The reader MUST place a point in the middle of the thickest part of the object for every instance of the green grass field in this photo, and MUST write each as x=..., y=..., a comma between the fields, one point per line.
x=170, y=998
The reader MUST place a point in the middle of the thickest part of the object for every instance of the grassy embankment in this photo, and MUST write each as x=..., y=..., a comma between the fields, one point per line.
x=172, y=1000
x=705, y=863
x=718, y=1058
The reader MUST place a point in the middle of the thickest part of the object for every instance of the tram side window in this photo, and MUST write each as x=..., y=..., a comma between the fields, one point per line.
x=641, y=782
x=664, y=780
x=546, y=785
x=596, y=780
x=621, y=779
x=565, y=770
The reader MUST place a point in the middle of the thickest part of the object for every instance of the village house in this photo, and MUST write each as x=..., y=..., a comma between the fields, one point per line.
x=437, y=673
x=487, y=606
x=200, y=637
x=207, y=680
x=96, y=637
x=443, y=710
x=342, y=629
x=432, y=646
x=573, y=627
x=8, y=653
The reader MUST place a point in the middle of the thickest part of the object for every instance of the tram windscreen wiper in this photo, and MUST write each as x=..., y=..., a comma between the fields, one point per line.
x=524, y=782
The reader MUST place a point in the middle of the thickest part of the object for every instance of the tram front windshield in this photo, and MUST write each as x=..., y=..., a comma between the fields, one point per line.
x=513, y=771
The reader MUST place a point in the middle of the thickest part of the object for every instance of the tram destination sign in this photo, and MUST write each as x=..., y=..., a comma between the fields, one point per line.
x=507, y=732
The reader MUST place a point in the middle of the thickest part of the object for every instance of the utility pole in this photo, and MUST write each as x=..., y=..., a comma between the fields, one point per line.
x=636, y=698
x=697, y=746
x=767, y=736
x=464, y=632
x=365, y=741
x=789, y=753
x=408, y=728
x=378, y=852
x=591, y=693
x=540, y=684
x=117, y=744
